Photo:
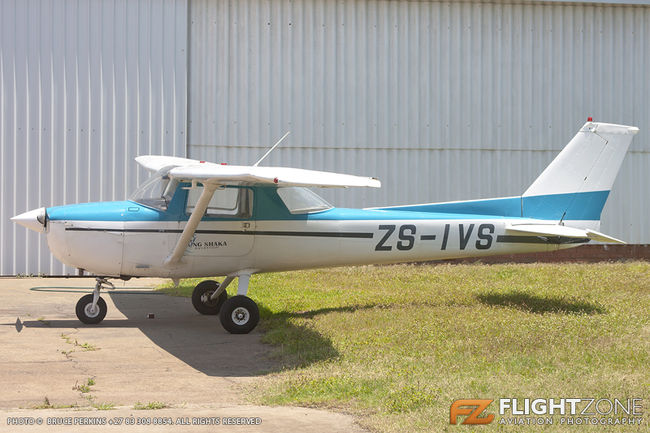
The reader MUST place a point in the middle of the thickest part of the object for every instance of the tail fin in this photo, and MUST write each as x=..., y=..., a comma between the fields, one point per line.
x=576, y=184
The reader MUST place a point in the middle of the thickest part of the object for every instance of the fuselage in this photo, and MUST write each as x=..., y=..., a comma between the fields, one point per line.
x=127, y=238
x=194, y=219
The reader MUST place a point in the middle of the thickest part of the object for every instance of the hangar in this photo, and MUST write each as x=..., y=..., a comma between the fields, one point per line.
x=440, y=100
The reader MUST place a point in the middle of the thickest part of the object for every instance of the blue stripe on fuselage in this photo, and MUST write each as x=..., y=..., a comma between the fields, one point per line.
x=131, y=211
x=375, y=214
x=107, y=211
x=578, y=206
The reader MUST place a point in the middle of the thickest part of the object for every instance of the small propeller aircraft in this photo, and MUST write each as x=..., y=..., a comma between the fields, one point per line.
x=197, y=219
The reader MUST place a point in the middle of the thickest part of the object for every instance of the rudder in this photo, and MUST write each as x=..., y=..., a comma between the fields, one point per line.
x=576, y=184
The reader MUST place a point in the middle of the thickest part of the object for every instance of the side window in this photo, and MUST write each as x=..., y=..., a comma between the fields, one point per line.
x=225, y=203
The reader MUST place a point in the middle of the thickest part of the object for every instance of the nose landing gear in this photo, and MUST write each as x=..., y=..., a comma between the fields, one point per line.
x=91, y=309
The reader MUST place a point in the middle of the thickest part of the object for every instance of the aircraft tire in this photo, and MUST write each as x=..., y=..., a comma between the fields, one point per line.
x=239, y=315
x=210, y=308
x=83, y=310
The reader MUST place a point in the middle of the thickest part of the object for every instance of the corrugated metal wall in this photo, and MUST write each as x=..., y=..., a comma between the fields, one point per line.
x=84, y=88
x=440, y=100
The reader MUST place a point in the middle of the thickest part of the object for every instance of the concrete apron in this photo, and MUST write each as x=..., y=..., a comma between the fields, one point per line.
x=179, y=358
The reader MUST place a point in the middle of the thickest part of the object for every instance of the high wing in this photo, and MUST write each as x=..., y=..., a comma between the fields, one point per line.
x=155, y=163
x=214, y=175
x=221, y=174
x=555, y=230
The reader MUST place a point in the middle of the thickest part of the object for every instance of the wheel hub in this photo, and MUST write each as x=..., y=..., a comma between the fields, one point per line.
x=90, y=311
x=205, y=299
x=240, y=316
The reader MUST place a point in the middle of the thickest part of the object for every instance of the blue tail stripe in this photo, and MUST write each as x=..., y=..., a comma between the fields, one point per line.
x=578, y=206
x=506, y=207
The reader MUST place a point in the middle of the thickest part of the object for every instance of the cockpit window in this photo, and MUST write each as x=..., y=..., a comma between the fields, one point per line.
x=300, y=200
x=156, y=192
x=226, y=202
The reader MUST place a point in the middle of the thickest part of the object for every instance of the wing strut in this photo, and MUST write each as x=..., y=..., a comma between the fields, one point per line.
x=192, y=224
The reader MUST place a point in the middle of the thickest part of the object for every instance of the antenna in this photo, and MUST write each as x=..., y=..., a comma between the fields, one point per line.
x=271, y=149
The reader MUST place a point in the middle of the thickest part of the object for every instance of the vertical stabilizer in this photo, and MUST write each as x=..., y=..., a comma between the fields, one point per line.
x=576, y=184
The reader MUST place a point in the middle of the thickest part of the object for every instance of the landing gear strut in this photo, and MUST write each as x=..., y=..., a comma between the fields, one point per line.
x=91, y=309
x=238, y=315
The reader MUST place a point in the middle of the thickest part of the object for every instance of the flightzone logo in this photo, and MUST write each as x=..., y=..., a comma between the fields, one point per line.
x=549, y=411
x=472, y=409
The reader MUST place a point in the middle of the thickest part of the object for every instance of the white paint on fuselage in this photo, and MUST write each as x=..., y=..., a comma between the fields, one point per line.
x=140, y=248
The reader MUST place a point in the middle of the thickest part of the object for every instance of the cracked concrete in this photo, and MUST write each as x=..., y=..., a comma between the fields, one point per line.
x=180, y=357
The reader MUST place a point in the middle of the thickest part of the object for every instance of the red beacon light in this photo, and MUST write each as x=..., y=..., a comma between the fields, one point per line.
x=590, y=119
x=224, y=163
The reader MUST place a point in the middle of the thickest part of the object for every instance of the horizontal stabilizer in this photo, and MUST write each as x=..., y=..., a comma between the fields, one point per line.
x=601, y=237
x=554, y=230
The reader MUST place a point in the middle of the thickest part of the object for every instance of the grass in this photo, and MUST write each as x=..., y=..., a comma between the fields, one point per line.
x=87, y=347
x=47, y=405
x=396, y=345
x=150, y=406
x=104, y=406
x=84, y=388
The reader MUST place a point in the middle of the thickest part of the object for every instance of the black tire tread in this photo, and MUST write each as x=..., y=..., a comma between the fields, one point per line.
x=81, y=314
x=225, y=316
x=199, y=290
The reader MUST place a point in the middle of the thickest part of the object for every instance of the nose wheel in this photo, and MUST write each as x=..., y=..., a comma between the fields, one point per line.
x=91, y=309
x=89, y=314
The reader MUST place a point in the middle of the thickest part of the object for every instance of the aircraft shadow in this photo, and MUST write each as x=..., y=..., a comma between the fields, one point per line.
x=300, y=346
x=198, y=340
x=540, y=305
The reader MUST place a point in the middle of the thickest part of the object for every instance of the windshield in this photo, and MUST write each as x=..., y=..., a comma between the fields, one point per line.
x=156, y=192
x=302, y=200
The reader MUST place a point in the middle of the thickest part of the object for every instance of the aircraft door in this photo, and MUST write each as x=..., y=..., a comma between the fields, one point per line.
x=227, y=228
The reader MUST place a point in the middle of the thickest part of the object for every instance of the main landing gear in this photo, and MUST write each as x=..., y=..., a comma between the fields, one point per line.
x=238, y=315
x=91, y=309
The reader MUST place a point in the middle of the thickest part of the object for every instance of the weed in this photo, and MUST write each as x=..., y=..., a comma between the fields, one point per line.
x=104, y=406
x=84, y=388
x=47, y=405
x=87, y=347
x=149, y=406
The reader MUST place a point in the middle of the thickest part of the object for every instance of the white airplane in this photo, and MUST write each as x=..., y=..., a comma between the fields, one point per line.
x=198, y=219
